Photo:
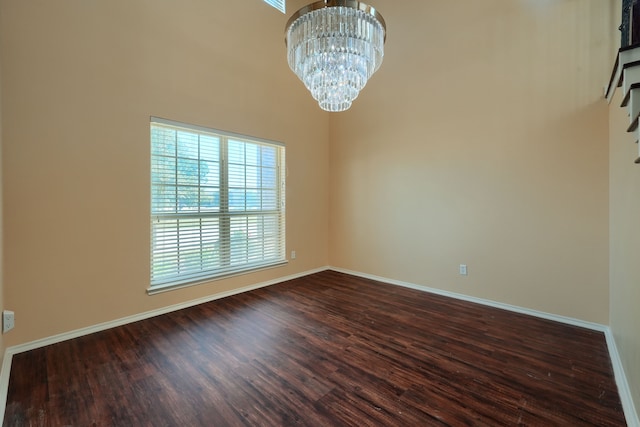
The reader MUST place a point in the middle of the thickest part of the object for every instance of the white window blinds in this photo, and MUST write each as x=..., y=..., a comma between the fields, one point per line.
x=217, y=203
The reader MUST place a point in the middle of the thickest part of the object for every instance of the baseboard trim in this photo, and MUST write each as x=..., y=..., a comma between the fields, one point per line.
x=153, y=313
x=11, y=351
x=624, y=391
x=4, y=381
x=487, y=302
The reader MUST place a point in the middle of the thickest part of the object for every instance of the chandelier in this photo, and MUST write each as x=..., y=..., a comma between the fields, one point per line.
x=334, y=47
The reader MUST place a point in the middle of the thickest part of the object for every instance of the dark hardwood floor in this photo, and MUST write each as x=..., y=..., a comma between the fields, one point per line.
x=325, y=350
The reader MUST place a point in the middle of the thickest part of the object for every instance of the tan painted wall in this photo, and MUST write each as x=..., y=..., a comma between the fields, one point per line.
x=488, y=147
x=624, y=237
x=624, y=181
x=80, y=80
x=482, y=140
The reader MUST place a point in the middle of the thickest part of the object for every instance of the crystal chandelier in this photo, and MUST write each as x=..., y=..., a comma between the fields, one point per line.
x=334, y=47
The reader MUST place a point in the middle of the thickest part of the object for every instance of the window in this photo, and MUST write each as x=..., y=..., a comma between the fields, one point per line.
x=278, y=4
x=217, y=204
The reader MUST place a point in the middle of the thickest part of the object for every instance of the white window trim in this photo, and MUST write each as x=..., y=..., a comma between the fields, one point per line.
x=199, y=278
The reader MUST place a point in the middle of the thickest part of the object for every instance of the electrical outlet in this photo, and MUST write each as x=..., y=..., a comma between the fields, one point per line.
x=463, y=269
x=293, y=254
x=8, y=320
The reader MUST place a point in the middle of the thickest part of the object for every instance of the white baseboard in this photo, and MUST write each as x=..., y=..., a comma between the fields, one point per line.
x=4, y=382
x=509, y=307
x=10, y=351
x=624, y=391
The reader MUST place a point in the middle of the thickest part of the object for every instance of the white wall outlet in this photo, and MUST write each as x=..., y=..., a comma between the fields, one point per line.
x=293, y=254
x=463, y=269
x=8, y=320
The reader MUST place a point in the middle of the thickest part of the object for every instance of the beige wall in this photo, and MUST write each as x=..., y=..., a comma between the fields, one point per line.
x=482, y=140
x=624, y=237
x=486, y=146
x=624, y=181
x=80, y=80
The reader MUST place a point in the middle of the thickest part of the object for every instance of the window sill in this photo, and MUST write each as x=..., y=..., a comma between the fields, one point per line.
x=158, y=289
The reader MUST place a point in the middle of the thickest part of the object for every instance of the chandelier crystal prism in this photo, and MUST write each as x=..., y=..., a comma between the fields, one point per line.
x=334, y=47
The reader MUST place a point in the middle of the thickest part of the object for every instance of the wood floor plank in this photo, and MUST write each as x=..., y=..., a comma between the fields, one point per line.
x=325, y=349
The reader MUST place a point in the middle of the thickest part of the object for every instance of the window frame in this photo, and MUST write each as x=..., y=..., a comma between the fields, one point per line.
x=277, y=4
x=259, y=221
